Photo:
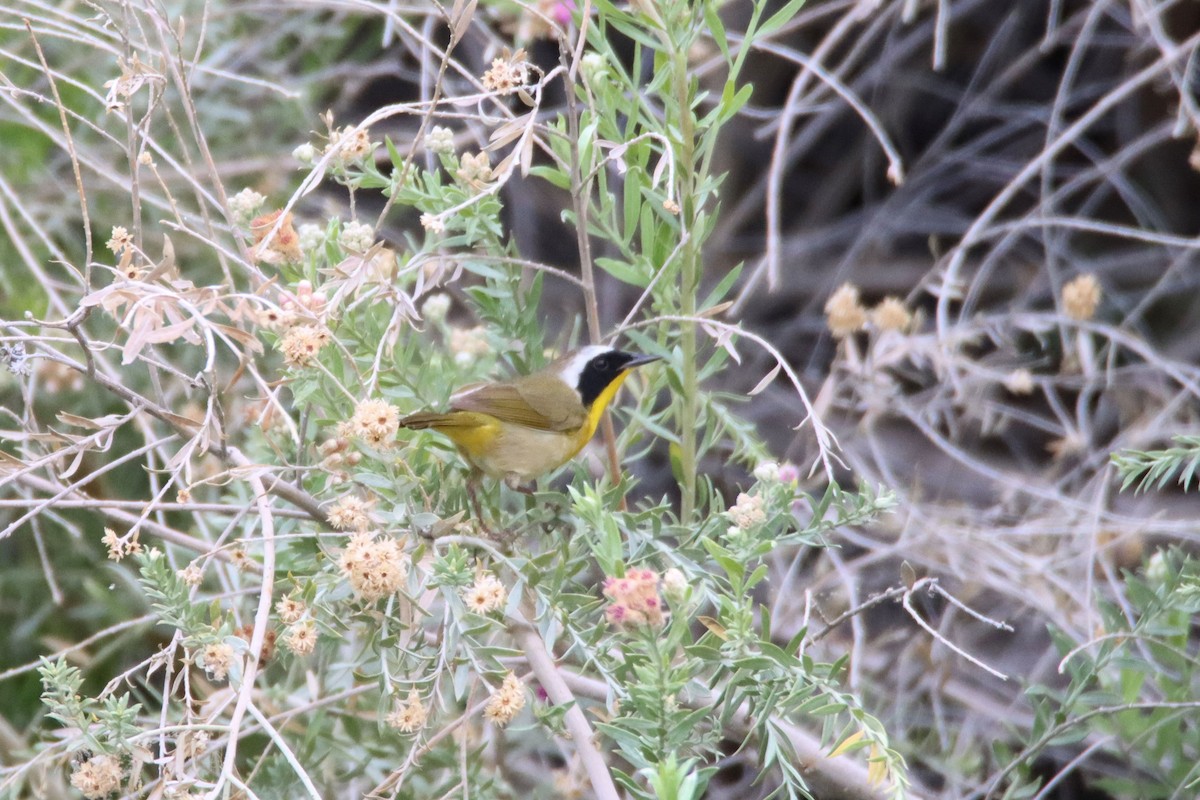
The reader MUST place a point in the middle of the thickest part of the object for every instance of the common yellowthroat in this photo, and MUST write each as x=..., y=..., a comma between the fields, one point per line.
x=520, y=429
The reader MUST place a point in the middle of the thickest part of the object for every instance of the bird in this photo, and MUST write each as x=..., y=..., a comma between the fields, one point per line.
x=520, y=429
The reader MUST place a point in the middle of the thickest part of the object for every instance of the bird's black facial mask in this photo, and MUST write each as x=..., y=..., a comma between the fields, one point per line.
x=602, y=370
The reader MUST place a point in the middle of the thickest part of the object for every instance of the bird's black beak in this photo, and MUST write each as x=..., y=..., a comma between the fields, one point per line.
x=637, y=361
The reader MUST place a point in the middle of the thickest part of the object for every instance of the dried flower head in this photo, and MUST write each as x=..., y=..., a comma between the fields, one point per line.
x=433, y=223
x=351, y=513
x=192, y=575
x=844, y=313
x=193, y=743
x=349, y=145
x=131, y=270
x=891, y=315
x=217, y=660
x=439, y=140
x=301, y=638
x=98, y=777
x=475, y=170
x=134, y=75
x=747, y=512
x=16, y=359
x=1071, y=444
x=121, y=546
x=301, y=344
x=239, y=558
x=467, y=343
x=121, y=238
x=375, y=422
x=1081, y=296
x=506, y=702
x=635, y=599
x=375, y=568
x=275, y=319
x=508, y=73
x=408, y=716
x=486, y=594
x=290, y=609
x=246, y=633
x=435, y=308
x=335, y=452
x=1019, y=381
x=275, y=240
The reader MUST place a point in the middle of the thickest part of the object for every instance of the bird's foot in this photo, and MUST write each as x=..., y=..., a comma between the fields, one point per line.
x=502, y=537
x=513, y=481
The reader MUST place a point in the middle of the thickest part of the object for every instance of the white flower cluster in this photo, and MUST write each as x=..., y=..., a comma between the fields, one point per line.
x=357, y=237
x=439, y=140
x=245, y=205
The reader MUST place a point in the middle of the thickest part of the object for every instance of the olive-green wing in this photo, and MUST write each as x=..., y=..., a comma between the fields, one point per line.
x=547, y=405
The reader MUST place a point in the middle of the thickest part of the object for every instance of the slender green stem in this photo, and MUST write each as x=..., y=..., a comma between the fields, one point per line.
x=689, y=281
x=581, y=194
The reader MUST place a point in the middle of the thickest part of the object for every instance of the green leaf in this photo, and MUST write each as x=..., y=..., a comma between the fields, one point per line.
x=723, y=286
x=649, y=233
x=553, y=176
x=716, y=28
x=624, y=271
x=733, y=99
x=631, y=204
x=676, y=455
x=393, y=153
x=587, y=138
x=778, y=19
x=757, y=575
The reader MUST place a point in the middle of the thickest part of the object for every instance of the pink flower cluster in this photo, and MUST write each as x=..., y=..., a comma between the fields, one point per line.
x=635, y=600
x=305, y=300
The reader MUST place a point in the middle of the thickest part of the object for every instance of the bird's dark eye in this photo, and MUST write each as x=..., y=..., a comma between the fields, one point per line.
x=601, y=363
